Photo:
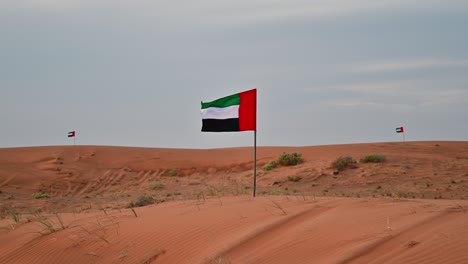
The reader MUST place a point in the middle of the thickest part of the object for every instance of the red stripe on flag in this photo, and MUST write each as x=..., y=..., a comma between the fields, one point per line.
x=248, y=110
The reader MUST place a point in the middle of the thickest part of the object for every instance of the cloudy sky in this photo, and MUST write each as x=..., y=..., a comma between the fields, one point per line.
x=133, y=73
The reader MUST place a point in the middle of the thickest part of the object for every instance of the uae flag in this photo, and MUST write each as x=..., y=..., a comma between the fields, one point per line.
x=400, y=130
x=233, y=113
x=71, y=134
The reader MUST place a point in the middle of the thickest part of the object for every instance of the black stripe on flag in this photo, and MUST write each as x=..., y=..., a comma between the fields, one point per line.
x=220, y=125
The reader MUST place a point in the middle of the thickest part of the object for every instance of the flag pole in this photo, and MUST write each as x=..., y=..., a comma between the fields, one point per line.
x=255, y=163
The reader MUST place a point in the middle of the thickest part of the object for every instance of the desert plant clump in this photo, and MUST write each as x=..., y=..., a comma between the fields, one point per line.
x=374, y=158
x=156, y=186
x=294, y=178
x=342, y=163
x=49, y=225
x=143, y=200
x=292, y=159
x=170, y=172
x=11, y=211
x=40, y=195
x=270, y=165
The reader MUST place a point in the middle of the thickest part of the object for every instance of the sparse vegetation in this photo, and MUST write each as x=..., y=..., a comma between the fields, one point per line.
x=40, y=195
x=284, y=159
x=270, y=165
x=277, y=205
x=170, y=172
x=144, y=200
x=374, y=158
x=292, y=159
x=156, y=186
x=294, y=178
x=49, y=226
x=13, y=213
x=211, y=190
x=134, y=212
x=342, y=163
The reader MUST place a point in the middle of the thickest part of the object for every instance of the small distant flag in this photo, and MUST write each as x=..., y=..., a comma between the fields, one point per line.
x=400, y=130
x=71, y=134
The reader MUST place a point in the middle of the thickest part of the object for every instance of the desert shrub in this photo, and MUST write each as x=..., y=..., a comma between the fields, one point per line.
x=270, y=165
x=8, y=210
x=292, y=159
x=142, y=200
x=156, y=186
x=170, y=173
x=374, y=158
x=40, y=195
x=342, y=163
x=294, y=178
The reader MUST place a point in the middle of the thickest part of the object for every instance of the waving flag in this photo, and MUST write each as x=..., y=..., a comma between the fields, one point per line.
x=233, y=113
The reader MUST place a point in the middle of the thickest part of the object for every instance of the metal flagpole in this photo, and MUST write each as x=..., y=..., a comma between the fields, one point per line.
x=255, y=163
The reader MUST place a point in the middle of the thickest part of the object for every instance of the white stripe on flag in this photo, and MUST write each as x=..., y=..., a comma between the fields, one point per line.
x=220, y=113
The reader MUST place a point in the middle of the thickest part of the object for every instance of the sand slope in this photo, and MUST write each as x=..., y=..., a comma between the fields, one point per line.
x=244, y=230
x=372, y=214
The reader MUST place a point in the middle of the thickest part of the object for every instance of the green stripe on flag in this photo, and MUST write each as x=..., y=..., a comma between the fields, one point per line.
x=223, y=102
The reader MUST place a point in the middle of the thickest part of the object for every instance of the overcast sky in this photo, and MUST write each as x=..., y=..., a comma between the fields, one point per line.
x=133, y=73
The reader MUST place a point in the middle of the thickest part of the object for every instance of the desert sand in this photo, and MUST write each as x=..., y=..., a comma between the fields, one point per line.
x=72, y=204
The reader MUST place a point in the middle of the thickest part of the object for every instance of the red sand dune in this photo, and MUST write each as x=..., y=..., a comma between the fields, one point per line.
x=209, y=215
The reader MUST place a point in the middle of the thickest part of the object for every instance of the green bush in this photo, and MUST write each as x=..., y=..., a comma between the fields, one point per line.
x=342, y=163
x=374, y=158
x=270, y=165
x=290, y=159
x=40, y=195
